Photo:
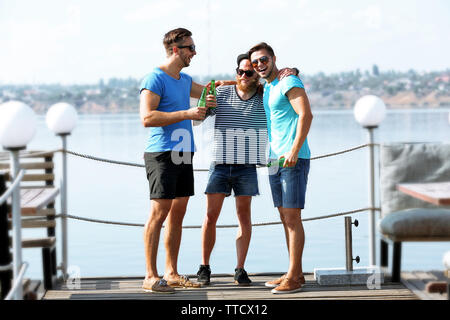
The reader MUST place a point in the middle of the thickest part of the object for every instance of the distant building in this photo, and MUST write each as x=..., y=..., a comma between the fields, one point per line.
x=445, y=79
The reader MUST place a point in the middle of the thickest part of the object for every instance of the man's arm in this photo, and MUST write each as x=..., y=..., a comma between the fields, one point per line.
x=150, y=117
x=299, y=101
x=196, y=90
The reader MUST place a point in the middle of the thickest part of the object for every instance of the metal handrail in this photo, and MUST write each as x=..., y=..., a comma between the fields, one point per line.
x=17, y=281
x=12, y=187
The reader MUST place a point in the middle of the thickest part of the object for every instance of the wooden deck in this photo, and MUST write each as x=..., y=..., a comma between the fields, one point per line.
x=222, y=287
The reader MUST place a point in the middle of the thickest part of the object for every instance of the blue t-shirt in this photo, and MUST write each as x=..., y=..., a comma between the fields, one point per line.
x=282, y=118
x=174, y=94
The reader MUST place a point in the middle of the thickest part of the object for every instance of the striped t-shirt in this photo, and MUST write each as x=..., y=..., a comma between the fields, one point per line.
x=240, y=129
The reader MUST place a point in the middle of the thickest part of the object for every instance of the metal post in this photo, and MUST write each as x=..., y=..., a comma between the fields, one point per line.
x=16, y=223
x=64, y=206
x=372, y=247
x=348, y=244
x=5, y=255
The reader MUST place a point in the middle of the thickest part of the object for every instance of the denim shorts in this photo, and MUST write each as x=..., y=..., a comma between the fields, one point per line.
x=241, y=178
x=288, y=185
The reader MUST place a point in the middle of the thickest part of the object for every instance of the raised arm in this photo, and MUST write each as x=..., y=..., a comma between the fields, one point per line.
x=196, y=90
x=151, y=117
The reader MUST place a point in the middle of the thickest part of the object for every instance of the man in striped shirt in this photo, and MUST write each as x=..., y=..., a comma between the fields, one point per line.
x=240, y=139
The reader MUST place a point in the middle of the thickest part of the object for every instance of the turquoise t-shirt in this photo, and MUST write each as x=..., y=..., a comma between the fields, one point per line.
x=174, y=94
x=282, y=118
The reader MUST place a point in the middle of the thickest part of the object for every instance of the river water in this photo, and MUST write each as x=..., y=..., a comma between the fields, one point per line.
x=106, y=191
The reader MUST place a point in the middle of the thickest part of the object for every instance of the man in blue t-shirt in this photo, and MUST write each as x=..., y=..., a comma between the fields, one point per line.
x=289, y=119
x=165, y=110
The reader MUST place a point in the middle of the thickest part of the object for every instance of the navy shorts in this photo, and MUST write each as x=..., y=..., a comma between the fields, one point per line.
x=288, y=185
x=241, y=178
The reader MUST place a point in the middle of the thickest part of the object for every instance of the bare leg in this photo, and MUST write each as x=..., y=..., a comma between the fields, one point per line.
x=286, y=233
x=172, y=235
x=152, y=230
x=296, y=240
x=243, y=209
x=213, y=208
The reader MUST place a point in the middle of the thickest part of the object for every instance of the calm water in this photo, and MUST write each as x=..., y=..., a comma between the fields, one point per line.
x=120, y=193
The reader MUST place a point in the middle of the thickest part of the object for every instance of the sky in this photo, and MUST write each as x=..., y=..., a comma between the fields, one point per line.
x=81, y=42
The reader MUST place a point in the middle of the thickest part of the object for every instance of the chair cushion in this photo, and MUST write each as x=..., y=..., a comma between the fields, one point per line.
x=417, y=224
x=410, y=163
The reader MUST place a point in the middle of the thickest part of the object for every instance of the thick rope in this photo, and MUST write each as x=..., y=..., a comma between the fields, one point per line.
x=192, y=227
x=90, y=157
x=199, y=226
x=345, y=151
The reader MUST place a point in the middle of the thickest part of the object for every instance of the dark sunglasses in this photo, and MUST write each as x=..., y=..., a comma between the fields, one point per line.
x=190, y=47
x=248, y=73
x=263, y=59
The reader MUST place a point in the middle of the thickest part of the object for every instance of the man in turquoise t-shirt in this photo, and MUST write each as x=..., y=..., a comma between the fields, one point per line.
x=289, y=118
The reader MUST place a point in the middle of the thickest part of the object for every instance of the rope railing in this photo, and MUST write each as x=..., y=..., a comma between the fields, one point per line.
x=90, y=157
x=12, y=187
x=138, y=165
x=129, y=224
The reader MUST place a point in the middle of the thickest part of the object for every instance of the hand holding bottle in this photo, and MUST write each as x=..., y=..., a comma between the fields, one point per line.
x=196, y=113
x=211, y=94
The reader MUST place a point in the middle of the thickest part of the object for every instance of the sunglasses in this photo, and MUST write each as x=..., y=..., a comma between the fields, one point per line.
x=190, y=47
x=263, y=60
x=248, y=73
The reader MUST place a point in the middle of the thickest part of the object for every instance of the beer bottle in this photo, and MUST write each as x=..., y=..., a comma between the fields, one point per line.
x=280, y=163
x=202, y=101
x=212, y=90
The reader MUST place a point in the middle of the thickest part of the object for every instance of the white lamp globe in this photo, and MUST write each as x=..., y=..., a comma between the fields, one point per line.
x=17, y=124
x=446, y=260
x=61, y=118
x=369, y=111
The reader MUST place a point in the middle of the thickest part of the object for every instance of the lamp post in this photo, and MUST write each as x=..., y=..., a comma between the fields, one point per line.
x=369, y=111
x=61, y=119
x=17, y=128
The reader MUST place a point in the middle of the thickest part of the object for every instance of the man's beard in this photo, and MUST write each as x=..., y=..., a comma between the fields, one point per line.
x=247, y=87
x=186, y=61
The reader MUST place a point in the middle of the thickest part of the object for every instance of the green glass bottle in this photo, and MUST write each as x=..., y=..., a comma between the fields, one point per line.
x=280, y=163
x=202, y=101
x=212, y=90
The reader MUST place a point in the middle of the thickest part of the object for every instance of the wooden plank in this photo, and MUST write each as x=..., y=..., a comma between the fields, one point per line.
x=42, y=212
x=31, y=165
x=36, y=199
x=38, y=242
x=224, y=288
x=38, y=177
x=416, y=282
x=437, y=193
x=35, y=224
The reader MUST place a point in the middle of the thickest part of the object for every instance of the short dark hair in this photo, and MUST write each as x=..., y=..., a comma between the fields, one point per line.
x=261, y=46
x=175, y=36
x=241, y=57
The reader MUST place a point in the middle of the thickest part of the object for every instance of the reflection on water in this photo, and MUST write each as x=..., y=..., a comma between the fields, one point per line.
x=120, y=193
